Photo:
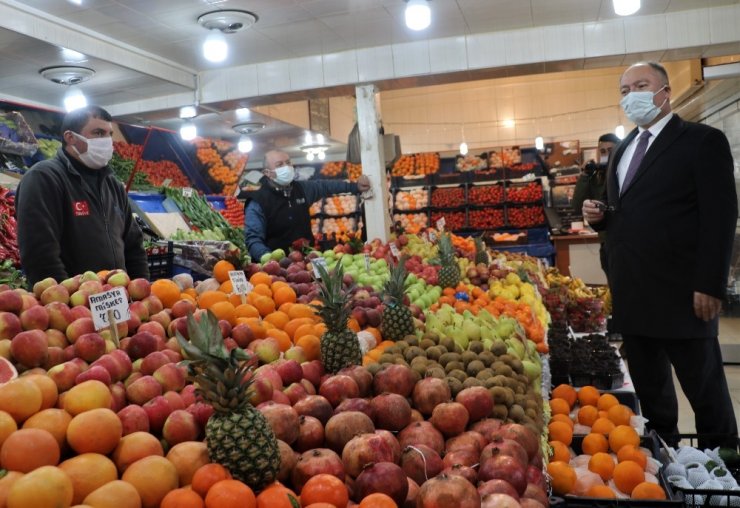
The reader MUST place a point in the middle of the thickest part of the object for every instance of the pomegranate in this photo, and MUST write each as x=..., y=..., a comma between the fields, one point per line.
x=310, y=435
x=365, y=449
x=313, y=462
x=422, y=433
x=392, y=411
x=462, y=457
x=523, y=435
x=466, y=472
x=356, y=404
x=429, y=392
x=536, y=476
x=487, y=427
x=450, y=418
x=477, y=400
x=316, y=406
x=416, y=416
x=288, y=460
x=344, y=426
x=504, y=447
x=527, y=502
x=411, y=496
x=283, y=419
x=392, y=442
x=537, y=493
x=497, y=487
x=499, y=501
x=337, y=388
x=469, y=439
x=362, y=377
x=420, y=463
x=444, y=490
x=384, y=477
x=507, y=468
x=395, y=379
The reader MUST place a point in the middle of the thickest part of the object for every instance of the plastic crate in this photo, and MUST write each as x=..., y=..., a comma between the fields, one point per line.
x=650, y=442
x=217, y=202
x=421, y=205
x=459, y=189
x=691, y=498
x=159, y=259
x=149, y=203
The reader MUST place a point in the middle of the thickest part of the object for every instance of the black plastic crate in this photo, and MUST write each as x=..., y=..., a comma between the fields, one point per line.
x=650, y=442
x=159, y=259
x=514, y=190
x=691, y=498
x=458, y=204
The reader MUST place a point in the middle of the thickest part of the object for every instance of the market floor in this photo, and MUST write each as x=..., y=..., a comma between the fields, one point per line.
x=729, y=335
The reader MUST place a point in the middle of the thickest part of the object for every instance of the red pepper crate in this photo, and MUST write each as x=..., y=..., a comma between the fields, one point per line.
x=486, y=218
x=447, y=197
x=525, y=216
x=454, y=220
x=486, y=194
x=530, y=192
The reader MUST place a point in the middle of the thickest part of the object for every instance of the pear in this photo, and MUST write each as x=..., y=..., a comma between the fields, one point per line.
x=471, y=330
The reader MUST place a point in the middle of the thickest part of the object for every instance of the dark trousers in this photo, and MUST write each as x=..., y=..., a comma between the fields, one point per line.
x=698, y=365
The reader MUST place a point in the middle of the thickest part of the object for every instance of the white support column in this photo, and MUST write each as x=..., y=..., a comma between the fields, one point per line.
x=377, y=220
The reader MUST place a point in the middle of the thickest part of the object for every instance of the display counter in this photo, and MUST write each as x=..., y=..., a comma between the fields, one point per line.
x=578, y=256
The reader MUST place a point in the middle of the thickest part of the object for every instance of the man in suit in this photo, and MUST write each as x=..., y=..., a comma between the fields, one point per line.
x=670, y=212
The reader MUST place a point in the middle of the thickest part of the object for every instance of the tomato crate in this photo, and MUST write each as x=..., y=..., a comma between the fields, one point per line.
x=530, y=192
x=486, y=217
x=447, y=197
x=488, y=175
x=690, y=497
x=454, y=220
x=649, y=441
x=159, y=257
x=411, y=199
x=486, y=194
x=454, y=177
x=525, y=216
x=399, y=182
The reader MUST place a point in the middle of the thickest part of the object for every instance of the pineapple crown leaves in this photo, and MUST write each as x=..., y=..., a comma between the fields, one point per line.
x=446, y=250
x=395, y=287
x=335, y=302
x=206, y=343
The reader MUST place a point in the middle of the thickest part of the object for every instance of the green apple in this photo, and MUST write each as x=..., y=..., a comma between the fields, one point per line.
x=277, y=254
x=265, y=258
x=328, y=254
x=346, y=261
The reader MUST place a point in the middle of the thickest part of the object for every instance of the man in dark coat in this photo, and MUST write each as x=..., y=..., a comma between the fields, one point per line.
x=670, y=212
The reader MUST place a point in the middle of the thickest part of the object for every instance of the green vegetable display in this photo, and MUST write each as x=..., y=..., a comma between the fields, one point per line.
x=122, y=168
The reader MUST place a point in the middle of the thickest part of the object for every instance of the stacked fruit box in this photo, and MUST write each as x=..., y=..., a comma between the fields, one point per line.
x=486, y=206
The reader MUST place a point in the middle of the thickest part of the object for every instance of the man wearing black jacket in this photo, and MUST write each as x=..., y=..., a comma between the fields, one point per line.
x=73, y=214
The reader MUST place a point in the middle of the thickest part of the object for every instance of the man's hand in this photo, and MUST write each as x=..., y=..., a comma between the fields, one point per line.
x=592, y=211
x=363, y=183
x=706, y=307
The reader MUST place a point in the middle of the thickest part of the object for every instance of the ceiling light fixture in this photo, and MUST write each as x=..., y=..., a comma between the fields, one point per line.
x=315, y=149
x=72, y=56
x=539, y=143
x=188, y=112
x=626, y=7
x=188, y=131
x=463, y=148
x=227, y=21
x=619, y=131
x=69, y=75
x=74, y=99
x=418, y=15
x=245, y=144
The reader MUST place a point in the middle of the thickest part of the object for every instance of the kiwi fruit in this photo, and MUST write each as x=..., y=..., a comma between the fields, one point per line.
x=506, y=358
x=431, y=336
x=489, y=382
x=500, y=412
x=476, y=346
x=449, y=357
x=468, y=356
x=387, y=358
x=433, y=353
x=502, y=395
x=531, y=413
x=437, y=372
x=520, y=399
x=516, y=412
x=475, y=367
x=502, y=369
x=458, y=374
x=426, y=343
x=487, y=358
x=448, y=343
x=411, y=340
x=374, y=368
x=517, y=366
x=402, y=345
x=471, y=381
x=412, y=352
x=498, y=348
x=484, y=374
x=455, y=385
x=401, y=361
x=454, y=365
x=419, y=368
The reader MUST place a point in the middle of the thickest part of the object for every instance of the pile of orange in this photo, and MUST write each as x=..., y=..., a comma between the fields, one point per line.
x=613, y=445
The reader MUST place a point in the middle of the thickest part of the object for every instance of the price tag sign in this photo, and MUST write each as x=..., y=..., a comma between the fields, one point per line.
x=239, y=282
x=166, y=182
x=367, y=261
x=441, y=223
x=187, y=192
x=432, y=237
x=315, y=264
x=394, y=250
x=113, y=300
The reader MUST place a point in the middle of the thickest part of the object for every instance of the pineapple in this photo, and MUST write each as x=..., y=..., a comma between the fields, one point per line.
x=339, y=345
x=238, y=435
x=449, y=275
x=397, y=319
x=481, y=255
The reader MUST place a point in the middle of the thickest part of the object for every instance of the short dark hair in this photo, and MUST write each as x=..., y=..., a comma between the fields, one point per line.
x=657, y=68
x=76, y=120
x=609, y=137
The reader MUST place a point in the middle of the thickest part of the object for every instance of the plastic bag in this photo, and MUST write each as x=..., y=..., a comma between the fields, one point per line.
x=16, y=137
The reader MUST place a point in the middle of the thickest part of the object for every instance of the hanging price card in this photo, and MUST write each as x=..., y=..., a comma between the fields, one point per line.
x=187, y=192
x=367, y=261
x=113, y=300
x=315, y=263
x=432, y=237
x=394, y=250
x=441, y=223
x=239, y=282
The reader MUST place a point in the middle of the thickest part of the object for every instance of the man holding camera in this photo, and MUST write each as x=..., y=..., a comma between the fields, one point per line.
x=592, y=184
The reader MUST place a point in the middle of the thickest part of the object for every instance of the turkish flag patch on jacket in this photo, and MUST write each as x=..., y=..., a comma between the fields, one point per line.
x=80, y=208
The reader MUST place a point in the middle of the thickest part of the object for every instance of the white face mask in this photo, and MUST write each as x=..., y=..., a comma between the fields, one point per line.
x=99, y=151
x=284, y=175
x=639, y=106
x=603, y=160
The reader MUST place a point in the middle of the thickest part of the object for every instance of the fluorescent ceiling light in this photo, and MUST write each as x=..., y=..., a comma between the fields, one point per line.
x=418, y=14
x=463, y=148
x=215, y=48
x=539, y=143
x=245, y=144
x=619, y=131
x=626, y=7
x=188, y=131
x=188, y=112
x=242, y=113
x=74, y=99
x=72, y=56
x=508, y=123
x=322, y=155
x=76, y=2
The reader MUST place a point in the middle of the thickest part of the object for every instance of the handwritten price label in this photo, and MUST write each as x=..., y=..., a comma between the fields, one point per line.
x=432, y=237
x=239, y=282
x=187, y=192
x=441, y=223
x=113, y=300
x=315, y=264
x=367, y=262
x=394, y=250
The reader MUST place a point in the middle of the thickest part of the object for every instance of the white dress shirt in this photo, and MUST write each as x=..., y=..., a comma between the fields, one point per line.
x=629, y=151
